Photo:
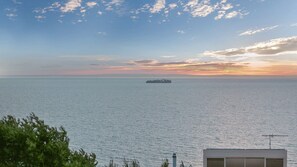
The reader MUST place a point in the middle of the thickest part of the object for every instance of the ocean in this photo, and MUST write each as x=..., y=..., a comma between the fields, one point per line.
x=118, y=118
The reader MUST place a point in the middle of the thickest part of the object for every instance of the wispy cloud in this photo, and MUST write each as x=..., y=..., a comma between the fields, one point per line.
x=227, y=6
x=271, y=47
x=252, y=32
x=101, y=33
x=158, y=6
x=224, y=11
x=51, y=8
x=181, y=31
x=187, y=67
x=220, y=15
x=199, y=9
x=231, y=14
x=16, y=2
x=196, y=8
x=87, y=57
x=41, y=12
x=40, y=18
x=11, y=13
x=71, y=5
x=91, y=4
x=116, y=2
x=294, y=25
x=112, y=4
x=172, y=6
x=205, y=7
x=169, y=56
x=234, y=14
x=142, y=62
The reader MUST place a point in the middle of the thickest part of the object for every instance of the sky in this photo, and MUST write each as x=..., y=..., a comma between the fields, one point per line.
x=148, y=37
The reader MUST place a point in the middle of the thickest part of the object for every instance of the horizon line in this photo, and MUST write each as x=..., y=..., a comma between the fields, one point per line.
x=142, y=76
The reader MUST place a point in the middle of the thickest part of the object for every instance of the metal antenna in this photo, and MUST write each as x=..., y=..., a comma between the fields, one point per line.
x=271, y=136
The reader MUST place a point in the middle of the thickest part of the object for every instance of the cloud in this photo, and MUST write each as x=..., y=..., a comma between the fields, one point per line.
x=177, y=63
x=16, y=2
x=187, y=67
x=271, y=47
x=223, y=1
x=91, y=4
x=11, y=13
x=186, y=63
x=170, y=56
x=83, y=10
x=204, y=8
x=202, y=11
x=134, y=17
x=197, y=9
x=232, y=14
x=181, y=31
x=226, y=6
x=40, y=12
x=91, y=59
x=216, y=66
x=110, y=5
x=142, y=62
x=154, y=63
x=158, y=6
x=223, y=11
x=116, y=2
x=220, y=15
x=192, y=3
x=50, y=8
x=39, y=18
x=252, y=32
x=172, y=6
x=79, y=8
x=142, y=9
x=101, y=33
x=71, y=5
x=227, y=52
x=294, y=25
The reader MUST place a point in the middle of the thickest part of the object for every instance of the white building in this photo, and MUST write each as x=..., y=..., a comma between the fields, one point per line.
x=244, y=158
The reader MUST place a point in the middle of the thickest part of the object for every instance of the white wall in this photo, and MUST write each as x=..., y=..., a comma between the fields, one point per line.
x=244, y=153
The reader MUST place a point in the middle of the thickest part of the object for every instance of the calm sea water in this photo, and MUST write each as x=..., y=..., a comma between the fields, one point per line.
x=126, y=118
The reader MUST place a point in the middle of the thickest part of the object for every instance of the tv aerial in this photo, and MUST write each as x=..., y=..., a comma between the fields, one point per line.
x=272, y=136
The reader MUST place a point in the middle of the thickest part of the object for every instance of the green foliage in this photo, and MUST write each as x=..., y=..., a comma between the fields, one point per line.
x=82, y=159
x=31, y=143
x=126, y=163
x=165, y=163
